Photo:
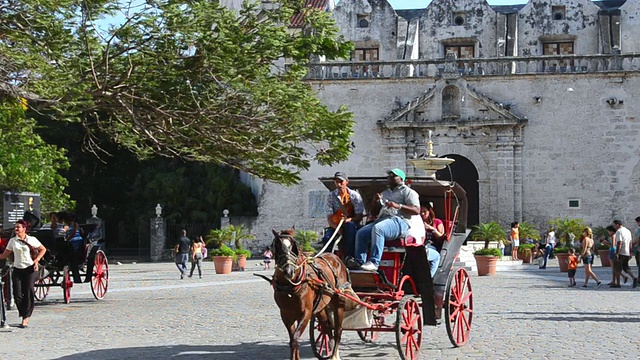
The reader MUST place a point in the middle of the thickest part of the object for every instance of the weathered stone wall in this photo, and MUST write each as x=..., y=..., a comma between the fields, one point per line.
x=381, y=32
x=437, y=25
x=575, y=146
x=536, y=24
x=630, y=26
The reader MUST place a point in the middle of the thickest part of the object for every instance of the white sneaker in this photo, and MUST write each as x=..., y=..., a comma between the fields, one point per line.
x=369, y=266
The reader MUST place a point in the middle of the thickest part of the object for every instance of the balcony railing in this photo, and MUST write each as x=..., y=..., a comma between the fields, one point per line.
x=500, y=66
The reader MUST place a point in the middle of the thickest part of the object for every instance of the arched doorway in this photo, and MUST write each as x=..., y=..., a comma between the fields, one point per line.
x=465, y=174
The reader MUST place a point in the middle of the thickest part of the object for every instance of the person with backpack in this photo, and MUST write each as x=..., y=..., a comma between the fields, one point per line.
x=27, y=252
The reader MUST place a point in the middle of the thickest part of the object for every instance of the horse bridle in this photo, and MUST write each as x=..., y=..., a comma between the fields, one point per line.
x=291, y=260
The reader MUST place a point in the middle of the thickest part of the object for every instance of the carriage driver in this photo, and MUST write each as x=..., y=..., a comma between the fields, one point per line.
x=344, y=203
x=397, y=205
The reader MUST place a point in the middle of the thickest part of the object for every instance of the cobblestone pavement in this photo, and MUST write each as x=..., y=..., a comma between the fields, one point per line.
x=149, y=313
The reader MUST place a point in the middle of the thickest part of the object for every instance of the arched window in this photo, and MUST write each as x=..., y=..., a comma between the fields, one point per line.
x=451, y=102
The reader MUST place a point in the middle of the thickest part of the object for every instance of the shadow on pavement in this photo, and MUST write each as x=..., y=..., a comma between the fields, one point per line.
x=250, y=350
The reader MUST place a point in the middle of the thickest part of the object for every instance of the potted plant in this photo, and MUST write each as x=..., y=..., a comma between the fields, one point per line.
x=488, y=232
x=241, y=258
x=525, y=253
x=239, y=236
x=603, y=253
x=562, y=253
x=222, y=259
x=486, y=260
x=567, y=230
x=305, y=238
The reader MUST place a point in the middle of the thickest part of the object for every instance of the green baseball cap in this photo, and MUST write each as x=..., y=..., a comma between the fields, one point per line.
x=397, y=172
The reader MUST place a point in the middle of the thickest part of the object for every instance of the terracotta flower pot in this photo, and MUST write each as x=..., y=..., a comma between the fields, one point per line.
x=242, y=262
x=223, y=264
x=525, y=256
x=486, y=264
x=563, y=261
x=604, y=258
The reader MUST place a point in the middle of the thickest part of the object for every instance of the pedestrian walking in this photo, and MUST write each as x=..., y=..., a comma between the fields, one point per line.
x=27, y=252
x=587, y=256
x=573, y=265
x=197, y=256
x=615, y=274
x=636, y=245
x=182, y=253
x=548, y=249
x=623, y=250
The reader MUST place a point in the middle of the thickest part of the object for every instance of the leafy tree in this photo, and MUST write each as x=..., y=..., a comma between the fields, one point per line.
x=27, y=163
x=567, y=229
x=488, y=232
x=181, y=78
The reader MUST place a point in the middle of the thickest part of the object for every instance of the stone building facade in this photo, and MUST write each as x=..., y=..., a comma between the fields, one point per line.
x=534, y=101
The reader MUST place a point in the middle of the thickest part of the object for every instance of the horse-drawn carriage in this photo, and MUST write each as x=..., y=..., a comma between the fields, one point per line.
x=56, y=268
x=400, y=296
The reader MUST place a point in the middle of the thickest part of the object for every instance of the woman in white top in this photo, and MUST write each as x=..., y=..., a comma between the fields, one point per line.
x=27, y=252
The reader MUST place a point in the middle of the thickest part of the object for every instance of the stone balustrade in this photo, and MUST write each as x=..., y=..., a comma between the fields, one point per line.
x=499, y=66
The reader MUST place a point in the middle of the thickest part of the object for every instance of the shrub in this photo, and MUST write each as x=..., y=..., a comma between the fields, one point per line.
x=244, y=252
x=528, y=231
x=223, y=250
x=602, y=247
x=305, y=238
x=489, y=252
x=488, y=232
x=526, y=247
x=561, y=250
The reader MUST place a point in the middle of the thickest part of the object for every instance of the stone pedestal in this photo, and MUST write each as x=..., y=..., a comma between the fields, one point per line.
x=157, y=238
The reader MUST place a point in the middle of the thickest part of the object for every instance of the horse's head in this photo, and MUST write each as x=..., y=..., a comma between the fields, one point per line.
x=286, y=252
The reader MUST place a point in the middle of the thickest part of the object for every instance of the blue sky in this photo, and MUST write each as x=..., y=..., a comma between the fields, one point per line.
x=420, y=4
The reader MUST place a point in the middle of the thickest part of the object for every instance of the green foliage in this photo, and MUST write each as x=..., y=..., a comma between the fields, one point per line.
x=244, y=252
x=27, y=163
x=240, y=235
x=567, y=229
x=305, y=238
x=528, y=231
x=488, y=232
x=182, y=79
x=223, y=250
x=526, y=247
x=489, y=252
x=561, y=250
x=600, y=233
x=602, y=247
x=219, y=237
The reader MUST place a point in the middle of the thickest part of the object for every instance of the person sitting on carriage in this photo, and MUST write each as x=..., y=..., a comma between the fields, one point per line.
x=396, y=206
x=347, y=205
x=72, y=246
x=434, y=233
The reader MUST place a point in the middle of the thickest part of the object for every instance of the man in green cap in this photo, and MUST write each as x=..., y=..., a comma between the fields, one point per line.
x=395, y=205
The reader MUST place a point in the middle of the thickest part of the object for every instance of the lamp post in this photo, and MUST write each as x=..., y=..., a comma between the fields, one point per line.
x=158, y=210
x=225, y=212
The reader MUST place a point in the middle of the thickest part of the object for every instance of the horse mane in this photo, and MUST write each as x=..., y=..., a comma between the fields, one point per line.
x=289, y=232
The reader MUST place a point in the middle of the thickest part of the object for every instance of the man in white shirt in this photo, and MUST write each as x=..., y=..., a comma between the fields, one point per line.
x=548, y=250
x=623, y=249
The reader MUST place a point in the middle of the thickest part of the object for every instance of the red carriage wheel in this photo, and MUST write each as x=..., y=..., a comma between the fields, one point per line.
x=458, y=307
x=368, y=336
x=66, y=284
x=100, y=276
x=42, y=288
x=408, y=328
x=323, y=343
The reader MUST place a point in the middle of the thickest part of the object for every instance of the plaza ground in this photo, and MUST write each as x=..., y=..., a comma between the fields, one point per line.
x=149, y=313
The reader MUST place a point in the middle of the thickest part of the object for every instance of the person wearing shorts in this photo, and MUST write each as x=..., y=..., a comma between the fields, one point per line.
x=515, y=239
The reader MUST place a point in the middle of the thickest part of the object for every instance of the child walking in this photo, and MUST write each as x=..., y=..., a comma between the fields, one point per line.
x=267, y=258
x=573, y=265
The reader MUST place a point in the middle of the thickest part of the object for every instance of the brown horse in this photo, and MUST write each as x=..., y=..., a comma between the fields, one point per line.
x=303, y=288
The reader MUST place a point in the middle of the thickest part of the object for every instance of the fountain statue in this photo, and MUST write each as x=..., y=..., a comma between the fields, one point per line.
x=429, y=163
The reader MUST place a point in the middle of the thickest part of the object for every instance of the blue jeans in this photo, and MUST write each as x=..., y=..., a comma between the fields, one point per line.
x=547, y=252
x=349, y=230
x=434, y=259
x=181, y=262
x=375, y=234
